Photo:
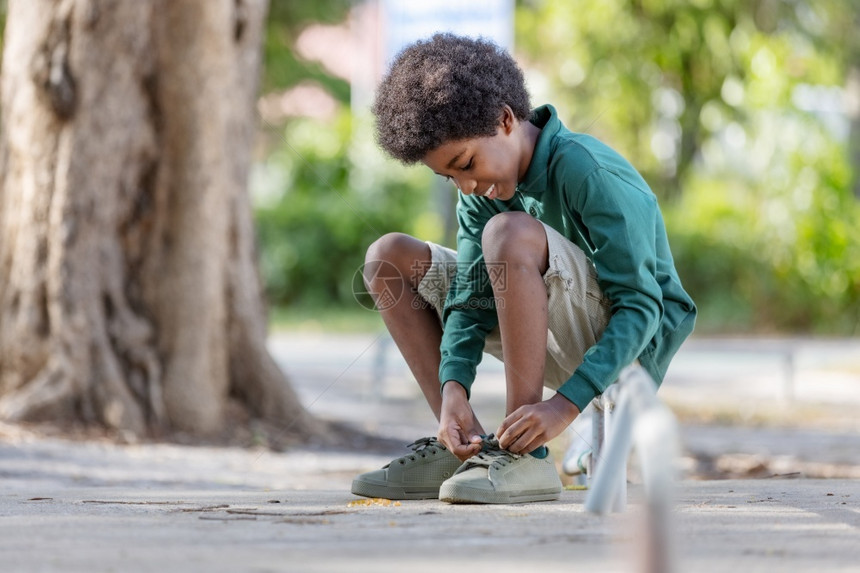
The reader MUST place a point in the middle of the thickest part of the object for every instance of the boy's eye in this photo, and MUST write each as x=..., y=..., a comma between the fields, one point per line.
x=467, y=166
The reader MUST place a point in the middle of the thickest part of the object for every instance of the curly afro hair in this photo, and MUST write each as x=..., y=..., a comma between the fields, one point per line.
x=445, y=89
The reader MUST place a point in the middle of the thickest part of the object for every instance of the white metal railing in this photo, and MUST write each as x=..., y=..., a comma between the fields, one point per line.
x=629, y=415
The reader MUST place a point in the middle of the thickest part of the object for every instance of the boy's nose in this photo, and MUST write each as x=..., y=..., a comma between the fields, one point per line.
x=466, y=186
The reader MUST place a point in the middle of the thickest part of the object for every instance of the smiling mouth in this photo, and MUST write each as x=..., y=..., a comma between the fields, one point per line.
x=490, y=193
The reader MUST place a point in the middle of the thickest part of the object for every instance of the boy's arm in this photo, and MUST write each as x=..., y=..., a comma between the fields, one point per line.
x=470, y=311
x=621, y=220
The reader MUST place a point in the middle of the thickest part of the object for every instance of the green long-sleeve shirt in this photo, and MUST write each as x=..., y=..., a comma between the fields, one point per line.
x=596, y=199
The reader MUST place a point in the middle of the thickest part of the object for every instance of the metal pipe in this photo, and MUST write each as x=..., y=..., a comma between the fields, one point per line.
x=639, y=420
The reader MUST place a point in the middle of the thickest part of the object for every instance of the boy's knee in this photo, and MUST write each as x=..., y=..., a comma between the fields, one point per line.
x=511, y=234
x=386, y=247
x=398, y=252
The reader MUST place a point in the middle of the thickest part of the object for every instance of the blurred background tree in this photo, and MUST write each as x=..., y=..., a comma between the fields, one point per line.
x=323, y=192
x=129, y=291
x=738, y=114
x=743, y=116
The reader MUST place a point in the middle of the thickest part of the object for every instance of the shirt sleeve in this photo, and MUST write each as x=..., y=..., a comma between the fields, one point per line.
x=619, y=219
x=470, y=310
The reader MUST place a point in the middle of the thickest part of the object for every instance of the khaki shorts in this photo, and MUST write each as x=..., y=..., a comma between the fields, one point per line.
x=577, y=310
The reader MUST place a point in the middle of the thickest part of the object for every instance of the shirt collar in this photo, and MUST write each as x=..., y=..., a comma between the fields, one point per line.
x=537, y=175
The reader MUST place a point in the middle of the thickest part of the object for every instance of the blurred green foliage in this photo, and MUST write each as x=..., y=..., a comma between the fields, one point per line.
x=717, y=102
x=324, y=192
x=282, y=67
x=320, y=199
x=662, y=77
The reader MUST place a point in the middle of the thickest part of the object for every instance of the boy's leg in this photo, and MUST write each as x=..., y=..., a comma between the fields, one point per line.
x=394, y=266
x=518, y=242
x=404, y=275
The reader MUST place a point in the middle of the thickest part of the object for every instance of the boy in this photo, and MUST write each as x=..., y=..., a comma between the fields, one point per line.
x=562, y=271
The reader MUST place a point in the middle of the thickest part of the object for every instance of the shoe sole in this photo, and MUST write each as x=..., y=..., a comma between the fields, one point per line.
x=386, y=491
x=456, y=493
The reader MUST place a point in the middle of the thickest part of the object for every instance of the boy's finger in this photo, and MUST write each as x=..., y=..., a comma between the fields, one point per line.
x=509, y=436
x=507, y=423
x=525, y=443
x=449, y=438
x=464, y=452
x=509, y=430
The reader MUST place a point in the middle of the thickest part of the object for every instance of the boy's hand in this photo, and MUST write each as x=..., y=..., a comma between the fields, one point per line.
x=533, y=425
x=458, y=428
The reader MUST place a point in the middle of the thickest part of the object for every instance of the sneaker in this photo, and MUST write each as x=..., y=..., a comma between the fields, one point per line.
x=499, y=476
x=414, y=476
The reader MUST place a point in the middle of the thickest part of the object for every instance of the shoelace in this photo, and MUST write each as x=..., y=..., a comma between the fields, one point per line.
x=493, y=454
x=421, y=448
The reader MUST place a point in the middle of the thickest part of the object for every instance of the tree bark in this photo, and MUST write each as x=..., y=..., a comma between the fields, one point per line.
x=129, y=291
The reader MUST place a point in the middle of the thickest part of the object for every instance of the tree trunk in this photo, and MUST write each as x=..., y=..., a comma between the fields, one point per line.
x=129, y=292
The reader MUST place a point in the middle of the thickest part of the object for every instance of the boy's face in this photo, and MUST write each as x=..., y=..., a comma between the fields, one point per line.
x=487, y=166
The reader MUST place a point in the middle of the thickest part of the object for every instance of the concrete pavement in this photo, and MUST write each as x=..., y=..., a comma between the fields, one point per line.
x=151, y=514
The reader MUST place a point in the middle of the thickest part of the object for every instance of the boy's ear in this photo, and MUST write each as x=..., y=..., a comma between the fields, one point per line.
x=507, y=120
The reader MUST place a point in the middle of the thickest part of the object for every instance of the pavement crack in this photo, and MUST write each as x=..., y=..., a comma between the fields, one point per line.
x=121, y=502
x=305, y=521
x=227, y=518
x=255, y=512
x=203, y=509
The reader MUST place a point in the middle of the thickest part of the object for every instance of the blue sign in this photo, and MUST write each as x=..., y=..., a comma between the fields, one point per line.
x=406, y=21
